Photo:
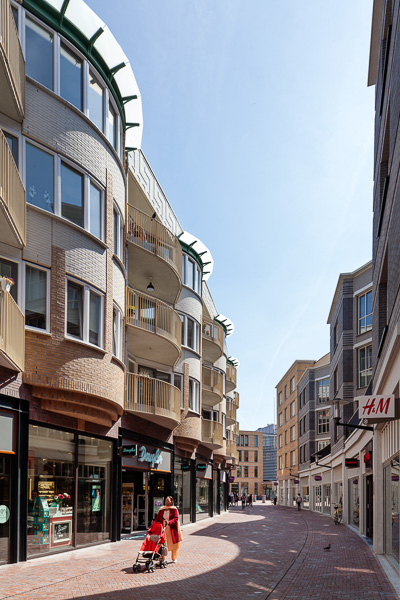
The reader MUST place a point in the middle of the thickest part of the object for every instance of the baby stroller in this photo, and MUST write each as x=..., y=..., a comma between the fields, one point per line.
x=153, y=550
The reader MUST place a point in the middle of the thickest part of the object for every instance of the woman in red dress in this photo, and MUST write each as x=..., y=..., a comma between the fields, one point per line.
x=168, y=516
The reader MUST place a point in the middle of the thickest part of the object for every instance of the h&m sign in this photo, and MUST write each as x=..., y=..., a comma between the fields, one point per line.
x=376, y=408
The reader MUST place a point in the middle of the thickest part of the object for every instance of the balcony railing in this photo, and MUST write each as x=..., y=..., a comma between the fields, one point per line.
x=152, y=315
x=230, y=412
x=213, y=340
x=153, y=236
x=153, y=398
x=12, y=198
x=12, y=66
x=231, y=449
x=12, y=333
x=213, y=386
x=212, y=433
x=231, y=374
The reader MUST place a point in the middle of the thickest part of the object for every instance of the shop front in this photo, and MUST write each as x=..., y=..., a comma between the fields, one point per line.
x=70, y=500
x=146, y=480
x=223, y=491
x=204, y=488
x=184, y=476
x=13, y=425
x=391, y=474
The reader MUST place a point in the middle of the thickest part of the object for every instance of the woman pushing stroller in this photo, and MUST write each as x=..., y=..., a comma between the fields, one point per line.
x=169, y=518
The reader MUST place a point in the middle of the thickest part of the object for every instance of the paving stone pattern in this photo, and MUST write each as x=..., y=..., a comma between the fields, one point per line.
x=266, y=552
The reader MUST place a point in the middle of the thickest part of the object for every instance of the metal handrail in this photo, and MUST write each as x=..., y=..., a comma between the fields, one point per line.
x=12, y=191
x=153, y=236
x=212, y=381
x=212, y=432
x=231, y=373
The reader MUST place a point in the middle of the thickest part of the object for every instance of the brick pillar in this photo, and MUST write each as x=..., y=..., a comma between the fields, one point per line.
x=57, y=297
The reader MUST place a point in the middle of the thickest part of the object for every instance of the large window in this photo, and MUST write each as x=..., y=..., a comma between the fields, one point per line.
x=39, y=53
x=245, y=456
x=118, y=240
x=292, y=409
x=51, y=62
x=292, y=385
x=365, y=312
x=84, y=313
x=70, y=77
x=323, y=391
x=190, y=333
x=118, y=333
x=36, y=298
x=80, y=200
x=39, y=177
x=194, y=395
x=191, y=273
x=323, y=421
x=364, y=366
x=245, y=471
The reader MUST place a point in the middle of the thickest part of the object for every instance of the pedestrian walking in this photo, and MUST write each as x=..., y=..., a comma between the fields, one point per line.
x=275, y=499
x=299, y=500
x=236, y=499
x=250, y=500
x=169, y=517
x=243, y=501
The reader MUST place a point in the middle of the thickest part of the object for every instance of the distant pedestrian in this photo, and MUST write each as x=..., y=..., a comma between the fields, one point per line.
x=299, y=500
x=250, y=500
x=275, y=499
x=236, y=499
x=243, y=501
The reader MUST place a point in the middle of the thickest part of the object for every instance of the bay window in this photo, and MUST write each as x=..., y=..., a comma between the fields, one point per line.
x=71, y=76
x=85, y=308
x=39, y=177
x=191, y=273
x=71, y=195
x=95, y=102
x=190, y=333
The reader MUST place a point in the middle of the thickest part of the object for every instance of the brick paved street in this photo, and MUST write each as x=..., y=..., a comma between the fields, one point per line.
x=270, y=553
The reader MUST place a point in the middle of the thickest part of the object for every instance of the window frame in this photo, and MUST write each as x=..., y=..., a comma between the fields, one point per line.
x=323, y=424
x=119, y=242
x=367, y=368
x=47, y=271
x=194, y=385
x=120, y=333
x=196, y=332
x=197, y=274
x=366, y=315
x=322, y=384
x=87, y=289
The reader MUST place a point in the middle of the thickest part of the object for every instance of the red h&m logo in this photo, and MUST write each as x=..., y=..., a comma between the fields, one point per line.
x=376, y=407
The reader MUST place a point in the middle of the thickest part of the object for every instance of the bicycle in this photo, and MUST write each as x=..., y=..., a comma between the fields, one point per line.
x=337, y=515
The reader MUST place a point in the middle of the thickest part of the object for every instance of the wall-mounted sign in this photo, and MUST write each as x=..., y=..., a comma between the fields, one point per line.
x=61, y=531
x=154, y=458
x=203, y=470
x=128, y=450
x=394, y=478
x=275, y=483
x=317, y=477
x=201, y=467
x=231, y=479
x=351, y=463
x=376, y=408
x=296, y=481
x=368, y=456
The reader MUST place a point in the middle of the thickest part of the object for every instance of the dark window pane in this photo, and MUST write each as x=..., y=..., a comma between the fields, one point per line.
x=190, y=333
x=15, y=15
x=74, y=310
x=13, y=143
x=115, y=246
x=96, y=218
x=112, y=126
x=39, y=54
x=71, y=195
x=35, y=298
x=94, y=319
x=95, y=101
x=39, y=178
x=71, y=77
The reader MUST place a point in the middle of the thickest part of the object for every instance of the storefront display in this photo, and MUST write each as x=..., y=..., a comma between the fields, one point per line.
x=183, y=469
x=57, y=518
x=392, y=510
x=7, y=452
x=204, y=475
x=354, y=502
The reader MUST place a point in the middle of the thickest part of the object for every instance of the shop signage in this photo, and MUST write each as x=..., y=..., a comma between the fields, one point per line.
x=355, y=481
x=296, y=481
x=394, y=478
x=351, y=463
x=231, y=479
x=376, y=407
x=4, y=514
x=7, y=430
x=154, y=458
x=129, y=450
x=368, y=457
x=275, y=483
x=61, y=531
x=201, y=467
x=318, y=477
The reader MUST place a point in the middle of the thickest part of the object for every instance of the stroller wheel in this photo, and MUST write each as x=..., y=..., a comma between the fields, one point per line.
x=151, y=570
x=150, y=566
x=135, y=568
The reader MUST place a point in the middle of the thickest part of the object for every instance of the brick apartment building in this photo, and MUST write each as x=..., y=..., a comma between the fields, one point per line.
x=249, y=472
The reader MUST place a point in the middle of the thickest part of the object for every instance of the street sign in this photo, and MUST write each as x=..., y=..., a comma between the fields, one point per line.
x=376, y=408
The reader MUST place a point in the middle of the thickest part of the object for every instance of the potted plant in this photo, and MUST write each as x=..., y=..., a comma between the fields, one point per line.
x=6, y=283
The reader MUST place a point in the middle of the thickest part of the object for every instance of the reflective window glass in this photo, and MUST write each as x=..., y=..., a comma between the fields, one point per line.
x=96, y=216
x=39, y=178
x=39, y=53
x=94, y=319
x=95, y=102
x=112, y=126
x=70, y=77
x=12, y=141
x=35, y=297
x=190, y=333
x=75, y=310
x=72, y=195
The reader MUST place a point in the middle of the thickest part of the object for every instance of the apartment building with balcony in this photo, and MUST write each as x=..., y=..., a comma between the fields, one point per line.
x=287, y=431
x=383, y=72
x=103, y=303
x=249, y=471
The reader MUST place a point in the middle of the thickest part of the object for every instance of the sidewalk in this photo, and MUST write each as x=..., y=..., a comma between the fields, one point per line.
x=265, y=552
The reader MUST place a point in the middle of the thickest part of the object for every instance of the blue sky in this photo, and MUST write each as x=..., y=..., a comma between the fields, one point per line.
x=258, y=124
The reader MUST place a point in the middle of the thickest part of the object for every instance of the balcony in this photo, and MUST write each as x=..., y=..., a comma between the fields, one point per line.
x=12, y=333
x=12, y=199
x=213, y=340
x=230, y=378
x=12, y=66
x=154, y=400
x=231, y=409
x=231, y=450
x=153, y=252
x=154, y=329
x=212, y=434
x=213, y=387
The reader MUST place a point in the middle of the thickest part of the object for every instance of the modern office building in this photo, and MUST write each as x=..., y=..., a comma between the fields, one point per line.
x=269, y=459
x=287, y=431
x=116, y=384
x=249, y=473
